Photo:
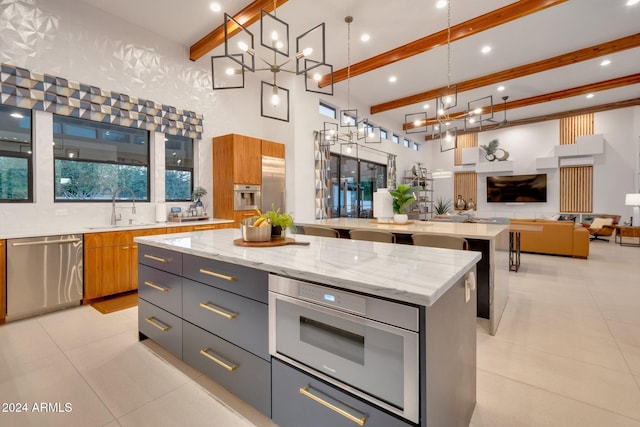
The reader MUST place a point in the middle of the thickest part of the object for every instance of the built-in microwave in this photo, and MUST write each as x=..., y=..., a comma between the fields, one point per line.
x=363, y=344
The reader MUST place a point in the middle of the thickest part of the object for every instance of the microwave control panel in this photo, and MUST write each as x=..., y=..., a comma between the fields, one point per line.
x=333, y=298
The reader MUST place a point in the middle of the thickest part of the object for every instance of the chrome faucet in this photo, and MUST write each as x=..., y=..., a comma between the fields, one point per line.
x=115, y=219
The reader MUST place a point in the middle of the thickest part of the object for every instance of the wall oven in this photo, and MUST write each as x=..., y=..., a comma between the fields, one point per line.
x=362, y=344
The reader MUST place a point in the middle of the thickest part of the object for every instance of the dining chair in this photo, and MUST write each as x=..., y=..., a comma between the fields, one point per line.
x=440, y=241
x=318, y=230
x=373, y=236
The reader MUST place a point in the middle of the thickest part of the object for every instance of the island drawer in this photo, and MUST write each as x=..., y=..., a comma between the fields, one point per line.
x=237, y=319
x=240, y=372
x=240, y=280
x=160, y=288
x=162, y=259
x=301, y=400
x=160, y=326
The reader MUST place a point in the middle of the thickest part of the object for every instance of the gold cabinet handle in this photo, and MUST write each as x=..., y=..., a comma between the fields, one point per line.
x=156, y=287
x=125, y=247
x=358, y=420
x=229, y=366
x=202, y=227
x=218, y=275
x=218, y=310
x=158, y=324
x=155, y=258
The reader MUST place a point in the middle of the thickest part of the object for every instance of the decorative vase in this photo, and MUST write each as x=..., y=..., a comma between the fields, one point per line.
x=277, y=232
x=400, y=218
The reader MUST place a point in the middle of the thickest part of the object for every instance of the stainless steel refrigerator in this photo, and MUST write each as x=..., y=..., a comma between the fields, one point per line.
x=273, y=183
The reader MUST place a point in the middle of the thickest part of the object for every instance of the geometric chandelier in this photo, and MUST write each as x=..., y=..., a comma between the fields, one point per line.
x=240, y=56
x=444, y=125
x=354, y=130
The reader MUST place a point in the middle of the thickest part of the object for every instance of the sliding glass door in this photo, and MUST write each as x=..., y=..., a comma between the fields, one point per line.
x=353, y=182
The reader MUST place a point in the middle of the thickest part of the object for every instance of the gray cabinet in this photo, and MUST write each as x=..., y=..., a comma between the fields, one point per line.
x=160, y=258
x=300, y=400
x=239, y=371
x=160, y=326
x=211, y=314
x=160, y=288
x=235, y=318
x=237, y=279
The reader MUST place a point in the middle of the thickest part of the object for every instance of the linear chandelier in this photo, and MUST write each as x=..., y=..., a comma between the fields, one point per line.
x=240, y=56
x=354, y=130
x=444, y=125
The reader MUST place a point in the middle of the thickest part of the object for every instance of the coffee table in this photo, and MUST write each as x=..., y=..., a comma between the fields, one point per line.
x=627, y=231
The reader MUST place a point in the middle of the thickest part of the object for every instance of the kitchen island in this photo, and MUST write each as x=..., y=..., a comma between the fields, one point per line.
x=208, y=302
x=492, y=240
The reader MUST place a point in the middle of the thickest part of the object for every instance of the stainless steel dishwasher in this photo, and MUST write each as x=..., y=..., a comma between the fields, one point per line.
x=43, y=274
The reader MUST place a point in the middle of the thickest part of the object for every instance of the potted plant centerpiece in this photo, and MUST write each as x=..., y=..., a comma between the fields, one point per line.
x=442, y=206
x=280, y=222
x=403, y=197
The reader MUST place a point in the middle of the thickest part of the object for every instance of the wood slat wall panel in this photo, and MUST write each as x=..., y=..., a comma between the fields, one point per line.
x=464, y=141
x=576, y=189
x=572, y=127
x=465, y=184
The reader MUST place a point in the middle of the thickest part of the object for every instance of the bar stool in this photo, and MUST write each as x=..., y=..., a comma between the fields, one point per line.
x=373, y=236
x=317, y=230
x=440, y=241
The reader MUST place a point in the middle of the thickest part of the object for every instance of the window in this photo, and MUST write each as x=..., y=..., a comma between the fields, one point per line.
x=92, y=159
x=396, y=139
x=327, y=110
x=348, y=118
x=16, y=166
x=407, y=143
x=416, y=146
x=384, y=134
x=179, y=167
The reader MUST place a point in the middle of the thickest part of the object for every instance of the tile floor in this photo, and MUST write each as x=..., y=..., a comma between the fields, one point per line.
x=567, y=353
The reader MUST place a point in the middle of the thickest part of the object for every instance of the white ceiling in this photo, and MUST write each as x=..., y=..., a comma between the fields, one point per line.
x=573, y=25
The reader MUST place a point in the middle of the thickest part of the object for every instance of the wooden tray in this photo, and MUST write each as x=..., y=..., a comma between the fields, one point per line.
x=270, y=243
x=375, y=221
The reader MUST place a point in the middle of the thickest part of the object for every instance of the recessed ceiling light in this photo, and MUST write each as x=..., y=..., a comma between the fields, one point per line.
x=606, y=61
x=215, y=7
x=500, y=88
x=632, y=2
x=393, y=79
x=425, y=106
x=486, y=49
x=589, y=96
x=17, y=115
x=365, y=37
x=443, y=3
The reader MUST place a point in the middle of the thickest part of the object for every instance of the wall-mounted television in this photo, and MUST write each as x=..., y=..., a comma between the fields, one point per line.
x=517, y=188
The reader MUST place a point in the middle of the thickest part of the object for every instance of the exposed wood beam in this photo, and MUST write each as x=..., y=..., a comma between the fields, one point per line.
x=247, y=16
x=565, y=59
x=554, y=116
x=468, y=28
x=548, y=97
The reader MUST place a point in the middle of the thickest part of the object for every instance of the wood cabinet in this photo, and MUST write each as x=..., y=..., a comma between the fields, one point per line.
x=3, y=280
x=272, y=149
x=237, y=159
x=111, y=262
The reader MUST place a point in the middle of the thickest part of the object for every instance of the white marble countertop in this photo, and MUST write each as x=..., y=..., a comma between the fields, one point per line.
x=414, y=274
x=45, y=229
x=465, y=229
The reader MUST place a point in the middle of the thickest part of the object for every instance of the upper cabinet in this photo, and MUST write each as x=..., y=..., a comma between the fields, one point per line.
x=237, y=159
x=272, y=149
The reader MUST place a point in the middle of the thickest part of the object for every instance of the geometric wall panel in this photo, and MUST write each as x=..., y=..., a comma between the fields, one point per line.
x=20, y=87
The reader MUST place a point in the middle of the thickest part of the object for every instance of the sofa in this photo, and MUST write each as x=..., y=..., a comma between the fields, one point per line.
x=556, y=238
